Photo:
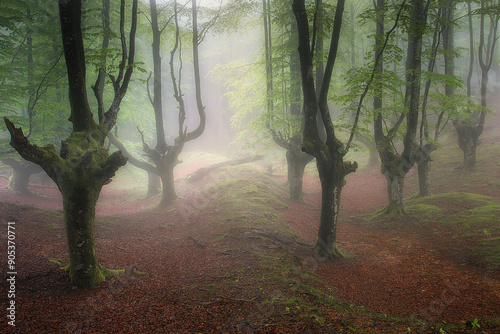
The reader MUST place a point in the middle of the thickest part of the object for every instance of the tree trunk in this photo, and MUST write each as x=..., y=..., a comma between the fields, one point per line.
x=79, y=200
x=423, y=160
x=296, y=162
x=153, y=184
x=331, y=188
x=161, y=144
x=168, y=187
x=468, y=139
x=19, y=180
x=329, y=153
x=395, y=183
x=424, y=178
x=21, y=172
x=82, y=166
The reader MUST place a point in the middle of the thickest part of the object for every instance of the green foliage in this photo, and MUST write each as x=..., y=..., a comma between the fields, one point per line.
x=247, y=100
x=32, y=71
x=232, y=16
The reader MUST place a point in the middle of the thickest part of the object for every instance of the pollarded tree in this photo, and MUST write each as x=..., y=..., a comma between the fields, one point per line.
x=82, y=166
x=285, y=119
x=165, y=156
x=329, y=153
x=396, y=165
x=98, y=88
x=435, y=116
x=470, y=127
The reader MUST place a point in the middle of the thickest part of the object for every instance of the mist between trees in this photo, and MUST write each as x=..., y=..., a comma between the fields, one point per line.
x=307, y=81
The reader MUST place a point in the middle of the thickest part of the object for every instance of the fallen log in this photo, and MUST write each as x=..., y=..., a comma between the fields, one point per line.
x=202, y=172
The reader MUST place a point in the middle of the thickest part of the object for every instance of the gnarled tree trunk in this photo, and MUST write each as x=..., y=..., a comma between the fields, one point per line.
x=468, y=139
x=395, y=165
x=83, y=165
x=80, y=194
x=154, y=185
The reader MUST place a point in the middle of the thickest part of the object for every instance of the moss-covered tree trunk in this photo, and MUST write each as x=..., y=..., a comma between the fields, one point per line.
x=79, y=200
x=468, y=139
x=395, y=184
x=396, y=165
x=330, y=152
x=82, y=166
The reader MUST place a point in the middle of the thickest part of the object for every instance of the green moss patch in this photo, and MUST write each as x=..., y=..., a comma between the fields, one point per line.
x=459, y=199
x=470, y=216
x=425, y=212
x=490, y=250
x=251, y=202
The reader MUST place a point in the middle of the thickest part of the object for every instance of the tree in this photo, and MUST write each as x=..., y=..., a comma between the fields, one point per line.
x=153, y=179
x=286, y=124
x=165, y=156
x=434, y=117
x=470, y=127
x=82, y=166
x=396, y=165
x=330, y=153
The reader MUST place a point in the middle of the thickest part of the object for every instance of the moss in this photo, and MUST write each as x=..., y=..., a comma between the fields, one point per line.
x=391, y=210
x=466, y=200
x=424, y=211
x=490, y=250
x=449, y=157
x=250, y=204
x=491, y=210
x=56, y=261
x=329, y=253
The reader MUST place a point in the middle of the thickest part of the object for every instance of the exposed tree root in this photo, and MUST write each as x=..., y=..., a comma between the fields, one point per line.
x=391, y=211
x=329, y=252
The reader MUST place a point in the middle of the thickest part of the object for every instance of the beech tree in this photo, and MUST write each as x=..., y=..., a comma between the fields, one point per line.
x=470, y=126
x=396, y=165
x=164, y=155
x=82, y=166
x=285, y=119
x=329, y=153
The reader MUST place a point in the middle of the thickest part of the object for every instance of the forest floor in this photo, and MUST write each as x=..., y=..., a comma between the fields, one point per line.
x=234, y=254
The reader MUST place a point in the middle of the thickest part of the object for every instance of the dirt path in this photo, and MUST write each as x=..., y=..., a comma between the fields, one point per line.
x=198, y=281
x=404, y=271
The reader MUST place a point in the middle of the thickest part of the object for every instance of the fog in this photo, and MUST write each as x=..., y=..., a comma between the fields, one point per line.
x=252, y=206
